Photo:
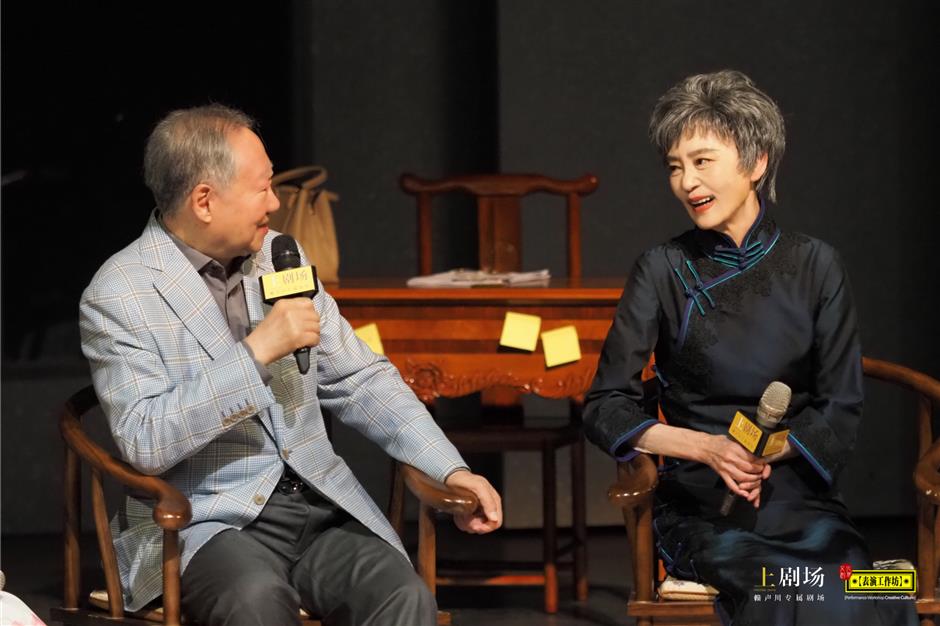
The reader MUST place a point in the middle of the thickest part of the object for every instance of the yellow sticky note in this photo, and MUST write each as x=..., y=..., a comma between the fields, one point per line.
x=520, y=331
x=370, y=334
x=744, y=431
x=561, y=346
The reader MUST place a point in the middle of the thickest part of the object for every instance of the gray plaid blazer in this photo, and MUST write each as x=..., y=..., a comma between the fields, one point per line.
x=186, y=402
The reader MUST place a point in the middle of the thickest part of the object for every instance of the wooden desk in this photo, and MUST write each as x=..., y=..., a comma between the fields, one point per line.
x=445, y=342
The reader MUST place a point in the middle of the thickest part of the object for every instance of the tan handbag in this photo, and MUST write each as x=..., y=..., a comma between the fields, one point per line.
x=306, y=215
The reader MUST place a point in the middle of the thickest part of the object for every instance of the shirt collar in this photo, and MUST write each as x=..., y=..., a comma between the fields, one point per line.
x=202, y=262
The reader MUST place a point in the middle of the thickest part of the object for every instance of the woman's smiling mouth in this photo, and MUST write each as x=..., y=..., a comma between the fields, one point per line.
x=700, y=204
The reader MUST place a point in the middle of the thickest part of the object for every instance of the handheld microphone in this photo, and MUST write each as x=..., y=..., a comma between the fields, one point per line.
x=772, y=406
x=289, y=280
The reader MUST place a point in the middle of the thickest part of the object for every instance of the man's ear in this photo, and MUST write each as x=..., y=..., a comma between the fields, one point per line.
x=760, y=168
x=199, y=202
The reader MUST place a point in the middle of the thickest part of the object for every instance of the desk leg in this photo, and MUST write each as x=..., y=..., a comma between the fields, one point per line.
x=549, y=537
x=578, y=520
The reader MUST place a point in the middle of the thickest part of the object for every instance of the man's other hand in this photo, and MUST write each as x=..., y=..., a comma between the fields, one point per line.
x=489, y=516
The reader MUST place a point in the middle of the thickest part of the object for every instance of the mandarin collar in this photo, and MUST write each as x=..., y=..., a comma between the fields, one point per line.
x=721, y=247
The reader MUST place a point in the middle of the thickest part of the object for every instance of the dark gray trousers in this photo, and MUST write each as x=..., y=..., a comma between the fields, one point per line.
x=303, y=551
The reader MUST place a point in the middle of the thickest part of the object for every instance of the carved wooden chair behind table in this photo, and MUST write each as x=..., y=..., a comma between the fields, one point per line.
x=650, y=599
x=171, y=513
x=499, y=220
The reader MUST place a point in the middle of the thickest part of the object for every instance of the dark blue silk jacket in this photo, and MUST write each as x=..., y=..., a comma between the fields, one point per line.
x=724, y=322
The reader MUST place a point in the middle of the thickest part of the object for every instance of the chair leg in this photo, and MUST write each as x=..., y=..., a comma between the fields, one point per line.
x=396, y=501
x=578, y=520
x=549, y=537
x=171, y=578
x=427, y=547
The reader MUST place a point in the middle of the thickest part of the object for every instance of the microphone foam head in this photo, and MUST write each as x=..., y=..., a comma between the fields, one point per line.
x=284, y=253
x=774, y=402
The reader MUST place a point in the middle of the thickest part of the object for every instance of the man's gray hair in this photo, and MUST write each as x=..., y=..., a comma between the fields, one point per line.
x=190, y=146
x=728, y=104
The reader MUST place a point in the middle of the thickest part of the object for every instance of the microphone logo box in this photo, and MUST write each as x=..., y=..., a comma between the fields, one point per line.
x=750, y=435
x=745, y=432
x=289, y=283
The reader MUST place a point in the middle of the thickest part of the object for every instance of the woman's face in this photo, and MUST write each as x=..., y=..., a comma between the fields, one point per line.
x=705, y=175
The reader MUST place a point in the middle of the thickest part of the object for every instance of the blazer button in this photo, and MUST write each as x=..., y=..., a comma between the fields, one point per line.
x=259, y=499
x=285, y=453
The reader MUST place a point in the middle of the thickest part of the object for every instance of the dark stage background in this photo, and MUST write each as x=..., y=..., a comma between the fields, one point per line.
x=438, y=87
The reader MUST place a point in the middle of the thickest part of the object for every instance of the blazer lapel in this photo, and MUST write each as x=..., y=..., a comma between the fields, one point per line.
x=255, y=266
x=185, y=291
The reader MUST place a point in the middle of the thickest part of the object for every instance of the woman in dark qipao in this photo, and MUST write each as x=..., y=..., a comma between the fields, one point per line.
x=728, y=307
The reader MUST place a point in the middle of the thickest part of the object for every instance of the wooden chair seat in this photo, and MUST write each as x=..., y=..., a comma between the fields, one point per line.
x=99, y=598
x=637, y=479
x=677, y=589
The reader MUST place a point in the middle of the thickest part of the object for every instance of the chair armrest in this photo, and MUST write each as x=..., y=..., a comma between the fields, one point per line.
x=451, y=500
x=926, y=476
x=636, y=481
x=172, y=510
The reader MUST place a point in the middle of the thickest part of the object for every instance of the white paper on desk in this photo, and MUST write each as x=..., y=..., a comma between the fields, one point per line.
x=477, y=278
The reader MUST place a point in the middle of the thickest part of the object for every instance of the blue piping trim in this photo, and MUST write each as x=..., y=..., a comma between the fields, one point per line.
x=723, y=277
x=624, y=438
x=688, y=292
x=771, y=245
x=698, y=283
x=684, y=329
x=668, y=559
x=736, y=253
x=660, y=377
x=809, y=457
x=742, y=264
x=728, y=275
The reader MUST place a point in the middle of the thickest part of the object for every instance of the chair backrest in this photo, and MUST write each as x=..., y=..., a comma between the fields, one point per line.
x=925, y=388
x=499, y=218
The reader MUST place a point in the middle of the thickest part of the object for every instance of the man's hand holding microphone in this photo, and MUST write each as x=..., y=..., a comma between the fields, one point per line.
x=293, y=323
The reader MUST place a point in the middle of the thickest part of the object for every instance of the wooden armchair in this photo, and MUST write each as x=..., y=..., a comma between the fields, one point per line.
x=171, y=513
x=637, y=479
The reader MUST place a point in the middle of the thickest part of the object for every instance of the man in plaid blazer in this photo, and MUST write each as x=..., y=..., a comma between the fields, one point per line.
x=197, y=379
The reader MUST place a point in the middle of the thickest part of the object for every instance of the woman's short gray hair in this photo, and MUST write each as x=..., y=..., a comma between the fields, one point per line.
x=728, y=104
x=190, y=146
